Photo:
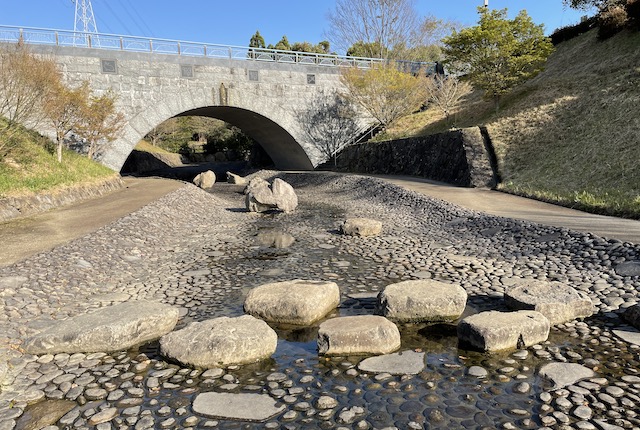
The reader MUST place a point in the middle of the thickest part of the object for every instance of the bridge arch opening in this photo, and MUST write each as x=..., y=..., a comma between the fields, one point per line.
x=283, y=149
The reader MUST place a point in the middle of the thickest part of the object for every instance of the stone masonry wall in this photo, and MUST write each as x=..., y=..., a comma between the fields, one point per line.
x=458, y=157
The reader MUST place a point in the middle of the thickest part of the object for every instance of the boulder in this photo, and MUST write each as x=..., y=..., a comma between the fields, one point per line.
x=358, y=335
x=220, y=342
x=565, y=374
x=285, y=196
x=232, y=178
x=422, y=300
x=205, y=180
x=255, y=183
x=260, y=197
x=497, y=331
x=555, y=300
x=399, y=363
x=362, y=227
x=297, y=302
x=109, y=329
x=632, y=316
x=243, y=406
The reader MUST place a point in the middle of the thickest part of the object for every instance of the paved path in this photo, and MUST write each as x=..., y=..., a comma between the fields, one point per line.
x=27, y=236
x=507, y=205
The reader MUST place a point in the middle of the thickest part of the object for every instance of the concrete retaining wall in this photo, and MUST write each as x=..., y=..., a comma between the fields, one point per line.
x=459, y=157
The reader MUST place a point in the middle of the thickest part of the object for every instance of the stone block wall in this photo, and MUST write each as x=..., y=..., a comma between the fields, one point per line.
x=459, y=157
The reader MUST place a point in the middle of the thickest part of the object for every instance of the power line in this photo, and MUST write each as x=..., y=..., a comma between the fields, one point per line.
x=137, y=19
x=118, y=18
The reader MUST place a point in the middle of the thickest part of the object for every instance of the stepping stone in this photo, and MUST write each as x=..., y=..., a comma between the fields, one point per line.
x=497, y=331
x=362, y=227
x=358, y=335
x=297, y=302
x=262, y=197
x=221, y=342
x=422, y=300
x=630, y=335
x=109, y=329
x=244, y=406
x=399, y=363
x=630, y=268
x=275, y=239
x=555, y=300
x=565, y=374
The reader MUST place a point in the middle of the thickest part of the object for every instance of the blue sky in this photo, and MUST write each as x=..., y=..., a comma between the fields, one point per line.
x=233, y=22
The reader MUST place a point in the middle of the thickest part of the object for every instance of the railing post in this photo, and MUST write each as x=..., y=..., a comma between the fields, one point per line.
x=230, y=53
x=121, y=44
x=150, y=45
x=178, y=48
x=205, y=50
x=89, y=40
x=57, y=42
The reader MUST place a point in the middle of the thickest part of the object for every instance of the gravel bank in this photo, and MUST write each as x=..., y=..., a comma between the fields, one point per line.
x=199, y=252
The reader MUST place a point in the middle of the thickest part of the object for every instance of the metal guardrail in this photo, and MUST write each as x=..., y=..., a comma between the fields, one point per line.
x=113, y=42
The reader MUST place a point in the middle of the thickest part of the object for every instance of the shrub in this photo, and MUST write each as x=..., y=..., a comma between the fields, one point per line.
x=569, y=32
x=633, y=12
x=611, y=21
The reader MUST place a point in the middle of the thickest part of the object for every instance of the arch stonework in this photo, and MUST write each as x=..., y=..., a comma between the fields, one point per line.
x=263, y=99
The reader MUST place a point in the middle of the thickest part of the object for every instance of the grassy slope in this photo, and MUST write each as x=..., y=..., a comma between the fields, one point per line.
x=30, y=168
x=571, y=134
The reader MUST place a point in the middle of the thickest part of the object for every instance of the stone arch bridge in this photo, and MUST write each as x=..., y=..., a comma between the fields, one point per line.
x=262, y=92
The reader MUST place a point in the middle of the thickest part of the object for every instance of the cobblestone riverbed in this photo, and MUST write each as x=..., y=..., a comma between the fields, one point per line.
x=199, y=252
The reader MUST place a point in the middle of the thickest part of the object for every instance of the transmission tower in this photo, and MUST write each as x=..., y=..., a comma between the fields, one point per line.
x=85, y=21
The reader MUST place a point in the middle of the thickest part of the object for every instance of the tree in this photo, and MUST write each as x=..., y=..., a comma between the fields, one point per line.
x=379, y=24
x=446, y=92
x=257, y=41
x=25, y=81
x=64, y=109
x=384, y=91
x=100, y=122
x=498, y=54
x=283, y=45
x=588, y=4
x=330, y=123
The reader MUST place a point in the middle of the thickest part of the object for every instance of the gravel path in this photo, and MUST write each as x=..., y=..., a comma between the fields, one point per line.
x=199, y=252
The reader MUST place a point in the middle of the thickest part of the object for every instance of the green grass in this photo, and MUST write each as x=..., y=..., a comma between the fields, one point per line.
x=569, y=136
x=30, y=166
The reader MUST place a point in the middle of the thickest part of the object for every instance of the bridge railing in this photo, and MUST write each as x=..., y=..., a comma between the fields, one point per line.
x=41, y=36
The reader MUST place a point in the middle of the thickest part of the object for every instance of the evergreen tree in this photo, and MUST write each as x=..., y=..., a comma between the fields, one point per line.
x=257, y=41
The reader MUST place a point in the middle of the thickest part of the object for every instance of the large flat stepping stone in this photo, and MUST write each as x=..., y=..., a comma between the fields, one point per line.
x=629, y=335
x=363, y=227
x=109, y=329
x=221, y=342
x=565, y=374
x=555, y=300
x=244, y=406
x=297, y=302
x=358, y=335
x=497, y=331
x=422, y=300
x=629, y=268
x=399, y=363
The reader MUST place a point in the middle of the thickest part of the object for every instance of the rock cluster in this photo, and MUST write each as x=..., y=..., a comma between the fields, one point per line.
x=262, y=197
